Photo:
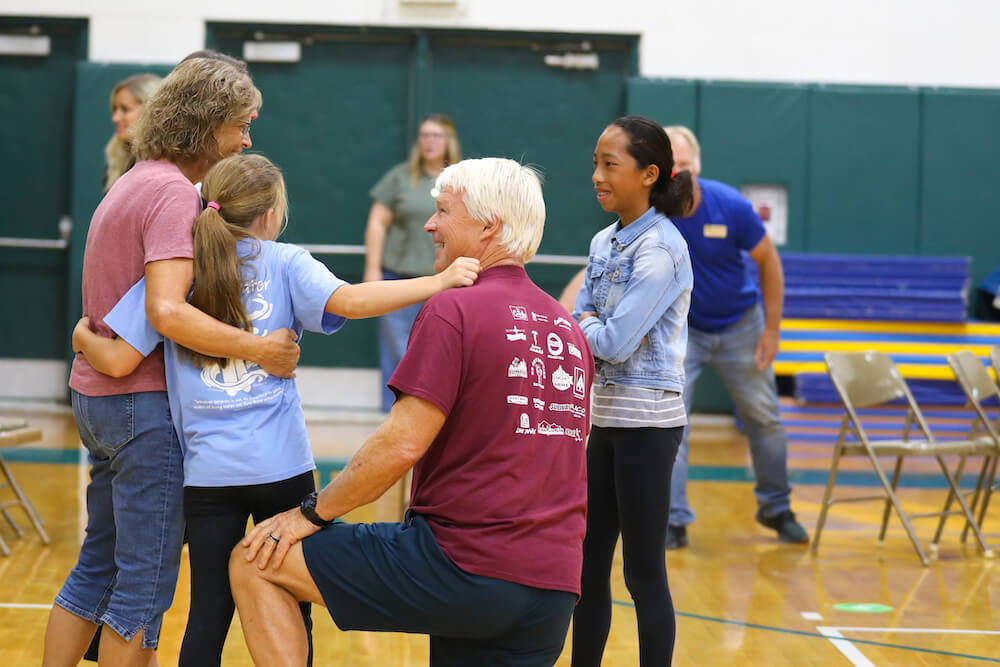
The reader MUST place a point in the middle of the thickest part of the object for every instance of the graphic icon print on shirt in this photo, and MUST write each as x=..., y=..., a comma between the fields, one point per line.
x=579, y=382
x=524, y=425
x=534, y=346
x=519, y=312
x=237, y=376
x=561, y=380
x=538, y=371
x=538, y=317
x=555, y=345
x=515, y=334
x=574, y=350
x=564, y=323
x=518, y=368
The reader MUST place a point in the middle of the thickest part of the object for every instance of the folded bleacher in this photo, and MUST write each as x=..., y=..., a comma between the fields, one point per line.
x=912, y=308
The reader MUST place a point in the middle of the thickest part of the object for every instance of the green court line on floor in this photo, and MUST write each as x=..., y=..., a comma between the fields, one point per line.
x=329, y=465
x=805, y=633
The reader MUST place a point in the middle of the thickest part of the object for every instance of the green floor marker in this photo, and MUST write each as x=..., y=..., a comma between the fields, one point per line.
x=863, y=607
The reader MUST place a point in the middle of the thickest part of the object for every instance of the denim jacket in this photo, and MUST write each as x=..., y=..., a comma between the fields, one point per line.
x=638, y=281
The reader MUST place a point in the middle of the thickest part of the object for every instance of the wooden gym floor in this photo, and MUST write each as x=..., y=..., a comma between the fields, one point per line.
x=741, y=597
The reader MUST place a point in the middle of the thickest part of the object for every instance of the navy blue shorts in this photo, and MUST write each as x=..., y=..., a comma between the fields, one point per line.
x=394, y=577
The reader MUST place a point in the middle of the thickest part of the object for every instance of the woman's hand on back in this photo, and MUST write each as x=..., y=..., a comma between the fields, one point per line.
x=279, y=353
x=462, y=273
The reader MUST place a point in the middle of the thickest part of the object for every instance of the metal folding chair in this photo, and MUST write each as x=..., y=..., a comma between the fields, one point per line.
x=868, y=379
x=978, y=387
x=14, y=434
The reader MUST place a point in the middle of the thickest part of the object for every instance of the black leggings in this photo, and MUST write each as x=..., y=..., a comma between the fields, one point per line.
x=628, y=492
x=216, y=521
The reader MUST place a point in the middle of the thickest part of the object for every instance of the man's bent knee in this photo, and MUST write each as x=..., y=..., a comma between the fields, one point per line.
x=293, y=576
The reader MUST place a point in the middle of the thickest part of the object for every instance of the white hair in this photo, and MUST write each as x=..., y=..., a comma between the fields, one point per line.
x=499, y=189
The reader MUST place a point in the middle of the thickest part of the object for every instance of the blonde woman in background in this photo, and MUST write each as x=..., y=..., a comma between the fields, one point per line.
x=127, y=99
x=397, y=245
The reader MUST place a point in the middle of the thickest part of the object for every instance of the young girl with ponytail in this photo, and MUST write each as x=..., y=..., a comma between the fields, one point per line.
x=633, y=308
x=246, y=451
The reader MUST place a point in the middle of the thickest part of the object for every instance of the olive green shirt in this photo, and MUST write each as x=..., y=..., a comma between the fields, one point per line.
x=408, y=248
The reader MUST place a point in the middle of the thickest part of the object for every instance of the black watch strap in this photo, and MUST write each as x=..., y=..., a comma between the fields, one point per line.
x=308, y=509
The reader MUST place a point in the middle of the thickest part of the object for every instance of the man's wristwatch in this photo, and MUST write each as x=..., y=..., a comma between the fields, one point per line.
x=308, y=509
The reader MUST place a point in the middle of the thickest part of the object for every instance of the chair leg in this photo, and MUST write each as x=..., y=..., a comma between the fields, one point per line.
x=976, y=497
x=22, y=498
x=825, y=505
x=987, y=494
x=965, y=508
x=10, y=520
x=899, y=509
x=947, y=504
x=888, y=505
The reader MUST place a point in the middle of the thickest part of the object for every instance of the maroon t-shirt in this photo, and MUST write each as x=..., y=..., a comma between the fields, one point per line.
x=146, y=216
x=504, y=484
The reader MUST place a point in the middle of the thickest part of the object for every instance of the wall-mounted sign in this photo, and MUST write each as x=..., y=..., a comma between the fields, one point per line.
x=770, y=200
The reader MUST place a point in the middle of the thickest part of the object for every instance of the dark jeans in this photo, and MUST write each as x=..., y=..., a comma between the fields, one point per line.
x=216, y=522
x=626, y=494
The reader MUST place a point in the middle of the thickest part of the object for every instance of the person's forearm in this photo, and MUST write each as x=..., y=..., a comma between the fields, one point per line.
x=772, y=289
x=374, y=245
x=372, y=299
x=100, y=353
x=187, y=326
x=381, y=462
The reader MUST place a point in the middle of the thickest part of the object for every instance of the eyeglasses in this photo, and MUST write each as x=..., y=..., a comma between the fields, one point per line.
x=431, y=135
x=245, y=129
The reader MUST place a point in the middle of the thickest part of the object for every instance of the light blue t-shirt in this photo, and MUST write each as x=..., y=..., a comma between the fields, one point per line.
x=239, y=425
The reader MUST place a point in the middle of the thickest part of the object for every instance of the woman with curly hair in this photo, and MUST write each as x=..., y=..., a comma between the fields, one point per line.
x=127, y=570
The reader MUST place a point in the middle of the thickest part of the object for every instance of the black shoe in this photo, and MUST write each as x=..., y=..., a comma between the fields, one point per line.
x=789, y=530
x=677, y=537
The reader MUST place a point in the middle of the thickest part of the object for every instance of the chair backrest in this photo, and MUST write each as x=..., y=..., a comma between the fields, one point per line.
x=972, y=376
x=995, y=360
x=864, y=379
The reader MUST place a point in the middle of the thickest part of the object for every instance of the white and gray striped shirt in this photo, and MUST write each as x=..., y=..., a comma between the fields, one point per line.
x=618, y=406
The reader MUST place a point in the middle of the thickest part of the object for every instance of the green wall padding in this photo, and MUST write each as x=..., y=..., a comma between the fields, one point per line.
x=758, y=133
x=36, y=99
x=864, y=161
x=667, y=101
x=960, y=195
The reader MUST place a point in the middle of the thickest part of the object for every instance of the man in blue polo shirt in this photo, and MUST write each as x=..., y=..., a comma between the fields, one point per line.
x=729, y=330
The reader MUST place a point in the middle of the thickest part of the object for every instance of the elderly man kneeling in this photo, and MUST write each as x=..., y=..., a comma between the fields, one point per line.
x=492, y=413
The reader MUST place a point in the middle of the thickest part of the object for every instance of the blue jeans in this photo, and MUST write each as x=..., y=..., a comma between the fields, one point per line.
x=127, y=570
x=755, y=395
x=393, y=335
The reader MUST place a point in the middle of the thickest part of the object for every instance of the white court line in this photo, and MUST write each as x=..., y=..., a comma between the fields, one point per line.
x=812, y=616
x=849, y=650
x=943, y=631
x=20, y=605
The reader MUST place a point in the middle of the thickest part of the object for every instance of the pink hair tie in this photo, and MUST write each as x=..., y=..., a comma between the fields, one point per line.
x=212, y=204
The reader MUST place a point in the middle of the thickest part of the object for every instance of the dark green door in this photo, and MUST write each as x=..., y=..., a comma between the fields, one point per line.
x=36, y=102
x=506, y=102
x=334, y=122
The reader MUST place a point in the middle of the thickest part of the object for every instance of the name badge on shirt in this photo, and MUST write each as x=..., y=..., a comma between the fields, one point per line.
x=716, y=231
